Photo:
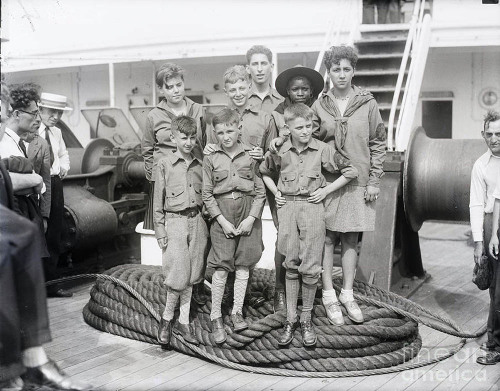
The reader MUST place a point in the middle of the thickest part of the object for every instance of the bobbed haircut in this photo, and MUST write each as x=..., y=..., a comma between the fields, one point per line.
x=226, y=116
x=491, y=116
x=185, y=125
x=337, y=53
x=236, y=73
x=259, y=49
x=298, y=110
x=167, y=71
x=21, y=95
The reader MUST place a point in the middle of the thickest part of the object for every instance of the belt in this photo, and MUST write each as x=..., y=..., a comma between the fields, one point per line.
x=296, y=197
x=231, y=194
x=189, y=212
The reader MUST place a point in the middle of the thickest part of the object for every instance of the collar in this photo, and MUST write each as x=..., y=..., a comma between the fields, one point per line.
x=43, y=128
x=164, y=106
x=272, y=92
x=174, y=157
x=287, y=145
x=241, y=148
x=13, y=135
x=249, y=107
x=356, y=89
x=490, y=155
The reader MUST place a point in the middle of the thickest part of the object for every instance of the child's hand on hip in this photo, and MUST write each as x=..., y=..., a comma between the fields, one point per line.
x=279, y=199
x=245, y=227
x=317, y=195
x=162, y=242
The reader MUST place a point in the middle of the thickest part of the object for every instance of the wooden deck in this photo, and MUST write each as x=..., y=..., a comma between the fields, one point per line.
x=110, y=362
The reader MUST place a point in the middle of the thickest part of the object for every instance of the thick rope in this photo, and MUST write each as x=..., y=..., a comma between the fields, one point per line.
x=128, y=300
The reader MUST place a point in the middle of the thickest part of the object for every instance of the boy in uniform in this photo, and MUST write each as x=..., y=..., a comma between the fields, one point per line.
x=260, y=67
x=299, y=196
x=179, y=226
x=234, y=196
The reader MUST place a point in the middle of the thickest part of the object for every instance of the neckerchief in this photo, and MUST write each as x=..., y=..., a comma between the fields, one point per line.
x=340, y=128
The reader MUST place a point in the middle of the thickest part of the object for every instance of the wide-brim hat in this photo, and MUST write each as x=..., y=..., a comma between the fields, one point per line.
x=54, y=101
x=317, y=82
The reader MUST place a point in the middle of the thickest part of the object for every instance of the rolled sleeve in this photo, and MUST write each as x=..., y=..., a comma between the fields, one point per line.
x=476, y=205
x=148, y=143
x=259, y=198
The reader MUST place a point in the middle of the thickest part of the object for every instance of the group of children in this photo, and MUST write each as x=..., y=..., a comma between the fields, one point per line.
x=228, y=189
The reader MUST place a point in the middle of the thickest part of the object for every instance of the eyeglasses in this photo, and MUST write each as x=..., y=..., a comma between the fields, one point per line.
x=34, y=114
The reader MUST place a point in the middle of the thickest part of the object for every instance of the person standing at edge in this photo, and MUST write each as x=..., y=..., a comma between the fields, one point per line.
x=260, y=67
x=52, y=107
x=484, y=179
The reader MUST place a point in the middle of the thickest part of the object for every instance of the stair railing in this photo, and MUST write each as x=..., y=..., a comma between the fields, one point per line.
x=413, y=85
x=412, y=36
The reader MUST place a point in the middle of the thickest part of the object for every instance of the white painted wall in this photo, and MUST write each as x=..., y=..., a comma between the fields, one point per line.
x=466, y=74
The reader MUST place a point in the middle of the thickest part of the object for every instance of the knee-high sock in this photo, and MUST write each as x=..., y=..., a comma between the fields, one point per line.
x=218, y=283
x=292, y=294
x=172, y=297
x=240, y=287
x=185, y=299
x=308, y=294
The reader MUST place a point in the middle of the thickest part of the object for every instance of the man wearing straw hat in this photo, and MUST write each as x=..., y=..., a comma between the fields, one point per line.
x=52, y=107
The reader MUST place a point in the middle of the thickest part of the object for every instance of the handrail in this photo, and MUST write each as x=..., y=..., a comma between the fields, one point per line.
x=410, y=99
x=412, y=33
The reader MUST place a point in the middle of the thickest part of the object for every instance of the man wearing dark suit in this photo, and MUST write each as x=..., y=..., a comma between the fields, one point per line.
x=24, y=321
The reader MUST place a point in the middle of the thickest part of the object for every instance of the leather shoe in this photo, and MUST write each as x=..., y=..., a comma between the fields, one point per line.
x=334, y=313
x=164, y=332
x=309, y=337
x=50, y=375
x=353, y=311
x=279, y=301
x=55, y=292
x=487, y=347
x=239, y=322
x=218, y=331
x=185, y=331
x=287, y=335
x=254, y=301
x=15, y=384
x=491, y=358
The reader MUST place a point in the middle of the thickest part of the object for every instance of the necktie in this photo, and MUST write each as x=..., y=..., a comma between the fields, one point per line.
x=47, y=138
x=23, y=147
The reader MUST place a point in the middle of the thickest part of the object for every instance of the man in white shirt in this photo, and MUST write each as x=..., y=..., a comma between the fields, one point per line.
x=52, y=107
x=484, y=178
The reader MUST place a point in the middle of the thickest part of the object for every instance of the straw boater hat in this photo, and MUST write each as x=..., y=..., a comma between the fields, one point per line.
x=54, y=101
x=317, y=82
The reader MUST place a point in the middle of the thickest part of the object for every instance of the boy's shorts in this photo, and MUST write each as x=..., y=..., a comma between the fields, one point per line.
x=301, y=238
x=183, y=259
x=241, y=250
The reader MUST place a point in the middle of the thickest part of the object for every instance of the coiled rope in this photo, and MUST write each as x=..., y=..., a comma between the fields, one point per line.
x=128, y=299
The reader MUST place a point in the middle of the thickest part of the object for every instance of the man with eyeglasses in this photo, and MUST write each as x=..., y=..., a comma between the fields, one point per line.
x=24, y=116
x=52, y=107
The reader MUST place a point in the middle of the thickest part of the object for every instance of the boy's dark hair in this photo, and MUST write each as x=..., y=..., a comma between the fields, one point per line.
x=259, y=49
x=226, y=116
x=298, y=110
x=236, y=73
x=337, y=53
x=185, y=125
x=22, y=94
x=491, y=116
x=167, y=71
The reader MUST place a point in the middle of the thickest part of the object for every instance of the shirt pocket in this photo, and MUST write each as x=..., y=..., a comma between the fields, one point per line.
x=289, y=181
x=197, y=188
x=246, y=175
x=174, y=195
x=220, y=175
x=314, y=180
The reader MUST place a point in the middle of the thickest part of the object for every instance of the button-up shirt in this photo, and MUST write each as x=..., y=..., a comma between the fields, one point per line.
x=9, y=145
x=300, y=171
x=257, y=128
x=178, y=186
x=269, y=103
x=223, y=174
x=484, y=178
x=156, y=140
x=61, y=156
